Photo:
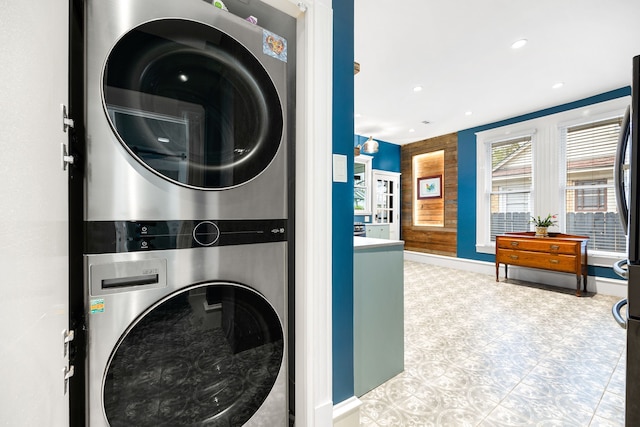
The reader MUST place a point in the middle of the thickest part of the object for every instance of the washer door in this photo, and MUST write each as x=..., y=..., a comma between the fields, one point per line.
x=209, y=354
x=192, y=104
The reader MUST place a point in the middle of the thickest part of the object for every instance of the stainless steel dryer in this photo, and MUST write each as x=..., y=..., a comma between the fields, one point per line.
x=187, y=130
x=182, y=96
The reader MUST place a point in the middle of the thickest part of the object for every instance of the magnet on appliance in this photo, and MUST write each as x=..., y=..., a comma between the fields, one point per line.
x=220, y=5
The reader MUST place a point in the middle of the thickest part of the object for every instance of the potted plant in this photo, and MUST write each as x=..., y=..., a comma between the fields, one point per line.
x=542, y=224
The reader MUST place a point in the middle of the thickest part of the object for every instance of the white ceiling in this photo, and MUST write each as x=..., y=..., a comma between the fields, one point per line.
x=460, y=52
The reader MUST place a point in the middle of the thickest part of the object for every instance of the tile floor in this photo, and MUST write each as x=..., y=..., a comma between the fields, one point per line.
x=481, y=353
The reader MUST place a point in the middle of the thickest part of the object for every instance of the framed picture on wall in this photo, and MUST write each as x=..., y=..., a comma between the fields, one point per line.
x=430, y=187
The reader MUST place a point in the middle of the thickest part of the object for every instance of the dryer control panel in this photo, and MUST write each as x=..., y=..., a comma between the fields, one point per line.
x=137, y=236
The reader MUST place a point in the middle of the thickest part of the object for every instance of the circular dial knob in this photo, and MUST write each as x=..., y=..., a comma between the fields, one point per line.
x=206, y=233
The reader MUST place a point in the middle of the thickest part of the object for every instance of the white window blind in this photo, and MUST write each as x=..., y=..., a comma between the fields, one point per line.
x=590, y=196
x=511, y=182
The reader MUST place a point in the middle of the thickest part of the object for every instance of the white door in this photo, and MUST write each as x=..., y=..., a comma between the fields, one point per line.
x=386, y=201
x=33, y=213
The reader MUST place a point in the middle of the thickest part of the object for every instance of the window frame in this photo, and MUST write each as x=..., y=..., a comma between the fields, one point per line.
x=609, y=110
x=485, y=141
x=506, y=197
x=548, y=190
x=367, y=162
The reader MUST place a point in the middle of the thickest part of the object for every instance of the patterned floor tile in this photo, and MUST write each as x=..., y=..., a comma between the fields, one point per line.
x=481, y=353
x=611, y=408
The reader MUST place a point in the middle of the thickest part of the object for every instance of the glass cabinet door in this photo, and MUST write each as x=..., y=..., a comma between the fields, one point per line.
x=387, y=201
x=384, y=200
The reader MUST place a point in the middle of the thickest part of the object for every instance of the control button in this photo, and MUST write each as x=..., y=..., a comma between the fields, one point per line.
x=206, y=233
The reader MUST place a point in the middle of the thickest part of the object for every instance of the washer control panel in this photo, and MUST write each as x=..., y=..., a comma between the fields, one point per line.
x=138, y=236
x=206, y=233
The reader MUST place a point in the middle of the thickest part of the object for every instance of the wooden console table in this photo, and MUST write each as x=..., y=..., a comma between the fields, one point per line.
x=558, y=252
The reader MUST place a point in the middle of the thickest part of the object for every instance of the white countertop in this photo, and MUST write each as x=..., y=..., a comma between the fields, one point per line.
x=371, y=242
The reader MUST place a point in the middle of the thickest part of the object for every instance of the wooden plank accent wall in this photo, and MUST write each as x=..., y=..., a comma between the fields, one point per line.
x=441, y=240
x=429, y=211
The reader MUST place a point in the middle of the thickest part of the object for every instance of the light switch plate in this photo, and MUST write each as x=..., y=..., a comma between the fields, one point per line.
x=339, y=168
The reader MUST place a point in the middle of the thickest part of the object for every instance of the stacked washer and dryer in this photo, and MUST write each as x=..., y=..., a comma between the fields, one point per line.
x=186, y=216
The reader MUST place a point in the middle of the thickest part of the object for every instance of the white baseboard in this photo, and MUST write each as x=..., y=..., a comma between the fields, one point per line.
x=472, y=265
x=601, y=285
x=613, y=287
x=347, y=413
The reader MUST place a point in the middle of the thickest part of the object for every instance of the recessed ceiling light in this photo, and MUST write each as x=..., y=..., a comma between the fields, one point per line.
x=557, y=85
x=468, y=113
x=412, y=130
x=518, y=44
x=417, y=88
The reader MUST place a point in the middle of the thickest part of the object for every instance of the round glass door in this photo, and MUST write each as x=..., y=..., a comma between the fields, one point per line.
x=192, y=104
x=207, y=355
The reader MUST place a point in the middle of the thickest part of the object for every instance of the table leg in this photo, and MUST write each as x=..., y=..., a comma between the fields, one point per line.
x=506, y=270
x=578, y=279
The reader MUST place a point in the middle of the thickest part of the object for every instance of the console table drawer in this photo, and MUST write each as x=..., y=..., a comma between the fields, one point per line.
x=540, y=246
x=566, y=263
x=559, y=252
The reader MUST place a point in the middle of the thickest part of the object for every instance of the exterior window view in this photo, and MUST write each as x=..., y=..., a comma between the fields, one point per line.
x=512, y=181
x=590, y=208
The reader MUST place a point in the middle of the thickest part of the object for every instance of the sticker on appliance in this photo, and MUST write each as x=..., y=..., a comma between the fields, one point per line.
x=97, y=306
x=274, y=45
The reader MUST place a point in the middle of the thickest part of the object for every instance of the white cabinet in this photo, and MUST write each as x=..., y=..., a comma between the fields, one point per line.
x=386, y=201
x=380, y=231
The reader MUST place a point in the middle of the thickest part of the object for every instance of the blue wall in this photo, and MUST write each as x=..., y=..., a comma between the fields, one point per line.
x=386, y=159
x=467, y=176
x=388, y=156
x=342, y=276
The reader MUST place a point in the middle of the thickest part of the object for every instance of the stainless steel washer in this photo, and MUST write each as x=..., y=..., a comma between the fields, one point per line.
x=188, y=336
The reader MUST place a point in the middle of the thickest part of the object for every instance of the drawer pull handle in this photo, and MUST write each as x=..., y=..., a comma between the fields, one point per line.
x=554, y=261
x=513, y=256
x=555, y=247
x=514, y=243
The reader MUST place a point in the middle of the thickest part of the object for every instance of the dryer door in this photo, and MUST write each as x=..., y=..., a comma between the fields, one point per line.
x=192, y=104
x=209, y=354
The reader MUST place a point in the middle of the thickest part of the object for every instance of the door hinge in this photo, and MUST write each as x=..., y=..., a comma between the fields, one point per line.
x=66, y=159
x=67, y=337
x=66, y=121
x=67, y=374
x=67, y=371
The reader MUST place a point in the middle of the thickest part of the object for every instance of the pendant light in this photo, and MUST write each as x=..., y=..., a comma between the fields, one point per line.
x=370, y=146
